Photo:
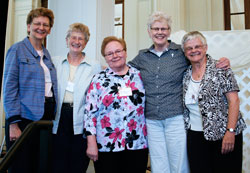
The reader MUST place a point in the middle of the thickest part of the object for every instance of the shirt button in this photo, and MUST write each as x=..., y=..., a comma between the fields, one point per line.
x=157, y=107
x=157, y=86
x=157, y=76
x=158, y=67
x=157, y=96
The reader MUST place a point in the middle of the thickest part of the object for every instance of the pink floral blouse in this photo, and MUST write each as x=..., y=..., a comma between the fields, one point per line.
x=116, y=117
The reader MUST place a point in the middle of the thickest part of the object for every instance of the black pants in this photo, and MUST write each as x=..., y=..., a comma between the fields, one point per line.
x=27, y=159
x=205, y=156
x=127, y=161
x=69, y=150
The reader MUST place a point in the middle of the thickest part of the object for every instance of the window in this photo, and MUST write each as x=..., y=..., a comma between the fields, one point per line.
x=237, y=14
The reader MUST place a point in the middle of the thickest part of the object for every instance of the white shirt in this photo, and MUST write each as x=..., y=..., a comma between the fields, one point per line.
x=191, y=101
x=48, y=83
x=82, y=77
x=69, y=92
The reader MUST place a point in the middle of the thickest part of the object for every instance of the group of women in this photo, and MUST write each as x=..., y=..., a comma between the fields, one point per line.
x=113, y=116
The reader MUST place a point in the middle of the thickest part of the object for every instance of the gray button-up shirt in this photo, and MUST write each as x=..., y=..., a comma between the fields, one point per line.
x=162, y=78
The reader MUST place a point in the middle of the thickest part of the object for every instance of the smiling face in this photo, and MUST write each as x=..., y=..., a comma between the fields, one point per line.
x=39, y=28
x=195, y=50
x=76, y=42
x=159, y=33
x=115, y=56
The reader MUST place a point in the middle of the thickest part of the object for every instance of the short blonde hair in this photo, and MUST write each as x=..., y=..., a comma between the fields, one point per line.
x=79, y=27
x=109, y=39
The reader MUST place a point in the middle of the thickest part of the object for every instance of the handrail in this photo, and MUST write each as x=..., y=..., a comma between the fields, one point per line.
x=26, y=134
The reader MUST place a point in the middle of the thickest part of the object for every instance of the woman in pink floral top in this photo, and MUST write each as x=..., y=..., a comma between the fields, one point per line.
x=114, y=120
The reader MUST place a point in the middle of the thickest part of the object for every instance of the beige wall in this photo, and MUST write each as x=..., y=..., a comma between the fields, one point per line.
x=136, y=14
x=188, y=15
x=204, y=15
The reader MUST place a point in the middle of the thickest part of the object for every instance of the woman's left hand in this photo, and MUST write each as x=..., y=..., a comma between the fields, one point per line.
x=228, y=143
x=223, y=63
x=92, y=150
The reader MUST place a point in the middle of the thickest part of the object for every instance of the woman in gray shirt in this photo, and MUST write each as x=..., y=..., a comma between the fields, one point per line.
x=162, y=67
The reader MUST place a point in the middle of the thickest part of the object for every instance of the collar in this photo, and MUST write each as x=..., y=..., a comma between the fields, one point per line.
x=29, y=46
x=86, y=59
x=109, y=71
x=172, y=45
x=210, y=68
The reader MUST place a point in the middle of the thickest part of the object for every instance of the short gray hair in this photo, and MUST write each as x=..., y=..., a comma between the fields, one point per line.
x=192, y=35
x=79, y=27
x=159, y=16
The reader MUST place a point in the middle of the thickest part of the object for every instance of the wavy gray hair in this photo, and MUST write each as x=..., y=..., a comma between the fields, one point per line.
x=79, y=27
x=192, y=35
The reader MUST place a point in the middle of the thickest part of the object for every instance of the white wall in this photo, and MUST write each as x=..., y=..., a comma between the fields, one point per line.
x=135, y=25
x=96, y=14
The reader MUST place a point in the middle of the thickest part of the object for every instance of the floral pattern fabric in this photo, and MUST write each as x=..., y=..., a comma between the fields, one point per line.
x=212, y=100
x=116, y=120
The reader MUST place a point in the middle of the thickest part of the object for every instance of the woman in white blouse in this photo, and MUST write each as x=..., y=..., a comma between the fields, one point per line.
x=212, y=116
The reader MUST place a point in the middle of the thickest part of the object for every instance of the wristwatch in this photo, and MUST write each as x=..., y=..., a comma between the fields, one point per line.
x=231, y=130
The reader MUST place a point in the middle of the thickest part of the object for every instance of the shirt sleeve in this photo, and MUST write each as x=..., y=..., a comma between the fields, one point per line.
x=97, y=68
x=91, y=108
x=135, y=62
x=11, y=100
x=229, y=83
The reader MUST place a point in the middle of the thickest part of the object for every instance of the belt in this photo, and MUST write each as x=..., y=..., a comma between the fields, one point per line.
x=49, y=100
x=68, y=104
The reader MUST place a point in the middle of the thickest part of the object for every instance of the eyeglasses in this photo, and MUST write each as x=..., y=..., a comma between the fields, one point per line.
x=45, y=25
x=111, y=54
x=156, y=29
x=197, y=47
x=76, y=38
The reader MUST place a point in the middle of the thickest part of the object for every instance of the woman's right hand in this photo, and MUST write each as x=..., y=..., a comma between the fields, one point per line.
x=14, y=131
x=92, y=150
x=228, y=142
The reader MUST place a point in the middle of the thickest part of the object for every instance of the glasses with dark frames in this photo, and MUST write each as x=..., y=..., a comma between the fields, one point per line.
x=156, y=29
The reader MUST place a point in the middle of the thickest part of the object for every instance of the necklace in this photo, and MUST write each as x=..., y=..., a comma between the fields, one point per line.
x=197, y=74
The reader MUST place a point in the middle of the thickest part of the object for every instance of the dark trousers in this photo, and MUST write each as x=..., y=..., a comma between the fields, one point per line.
x=205, y=156
x=27, y=159
x=127, y=161
x=69, y=150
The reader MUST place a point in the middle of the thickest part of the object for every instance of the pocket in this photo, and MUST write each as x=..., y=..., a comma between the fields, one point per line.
x=28, y=71
x=27, y=61
x=28, y=65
